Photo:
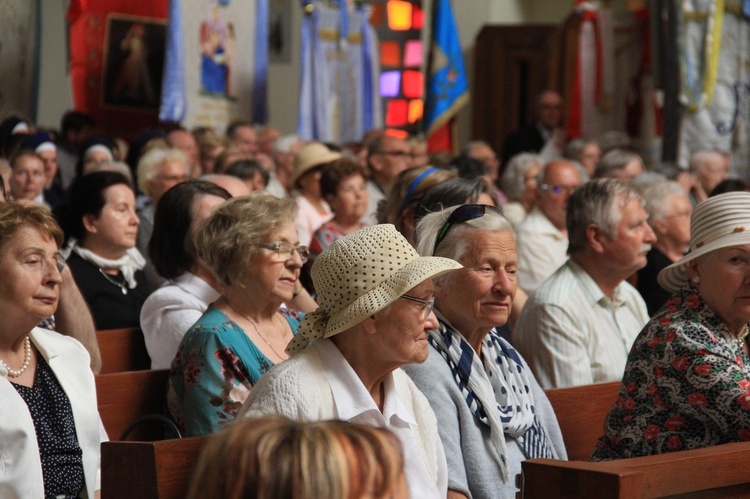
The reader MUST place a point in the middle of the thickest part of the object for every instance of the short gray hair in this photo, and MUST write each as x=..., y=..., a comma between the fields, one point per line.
x=614, y=161
x=596, y=202
x=230, y=238
x=456, y=243
x=699, y=159
x=656, y=198
x=513, y=176
x=152, y=160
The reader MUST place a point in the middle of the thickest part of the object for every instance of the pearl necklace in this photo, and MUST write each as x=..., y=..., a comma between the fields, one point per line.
x=13, y=373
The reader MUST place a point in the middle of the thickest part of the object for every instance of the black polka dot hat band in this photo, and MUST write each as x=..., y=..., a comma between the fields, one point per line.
x=361, y=274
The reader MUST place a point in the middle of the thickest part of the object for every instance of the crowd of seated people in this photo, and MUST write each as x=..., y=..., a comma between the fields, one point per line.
x=434, y=297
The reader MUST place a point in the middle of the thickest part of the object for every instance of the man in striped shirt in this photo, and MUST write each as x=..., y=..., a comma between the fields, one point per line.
x=579, y=325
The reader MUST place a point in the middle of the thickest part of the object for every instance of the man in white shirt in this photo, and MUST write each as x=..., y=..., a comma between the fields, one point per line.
x=578, y=327
x=542, y=236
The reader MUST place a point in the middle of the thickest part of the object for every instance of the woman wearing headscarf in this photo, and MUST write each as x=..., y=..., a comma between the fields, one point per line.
x=687, y=379
x=375, y=296
x=492, y=414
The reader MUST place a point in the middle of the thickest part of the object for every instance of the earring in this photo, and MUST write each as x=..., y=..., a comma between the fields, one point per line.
x=696, y=279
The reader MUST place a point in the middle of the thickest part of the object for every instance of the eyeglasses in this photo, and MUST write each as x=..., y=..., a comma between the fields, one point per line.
x=426, y=305
x=462, y=214
x=285, y=250
x=558, y=189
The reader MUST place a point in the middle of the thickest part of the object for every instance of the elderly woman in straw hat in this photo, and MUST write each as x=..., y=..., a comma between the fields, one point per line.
x=375, y=296
x=687, y=380
x=491, y=412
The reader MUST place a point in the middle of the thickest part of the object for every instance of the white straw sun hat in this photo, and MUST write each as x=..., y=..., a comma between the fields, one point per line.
x=361, y=274
x=718, y=222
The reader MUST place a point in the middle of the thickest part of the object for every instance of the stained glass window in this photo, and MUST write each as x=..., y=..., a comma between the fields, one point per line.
x=399, y=24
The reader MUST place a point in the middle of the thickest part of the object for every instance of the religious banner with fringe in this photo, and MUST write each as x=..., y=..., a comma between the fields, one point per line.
x=117, y=60
x=714, y=48
x=216, y=63
x=338, y=100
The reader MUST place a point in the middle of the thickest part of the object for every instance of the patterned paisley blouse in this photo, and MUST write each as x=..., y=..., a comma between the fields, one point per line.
x=686, y=385
x=213, y=372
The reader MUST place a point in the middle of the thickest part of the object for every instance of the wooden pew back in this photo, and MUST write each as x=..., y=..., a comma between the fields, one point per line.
x=122, y=350
x=719, y=471
x=149, y=470
x=581, y=411
x=124, y=397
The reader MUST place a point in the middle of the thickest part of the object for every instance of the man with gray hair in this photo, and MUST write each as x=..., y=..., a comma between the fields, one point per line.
x=578, y=327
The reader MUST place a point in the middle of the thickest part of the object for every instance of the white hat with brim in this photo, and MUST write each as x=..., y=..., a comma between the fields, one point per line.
x=361, y=274
x=718, y=222
x=310, y=156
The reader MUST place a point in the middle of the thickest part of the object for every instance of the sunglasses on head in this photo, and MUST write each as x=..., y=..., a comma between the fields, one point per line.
x=462, y=214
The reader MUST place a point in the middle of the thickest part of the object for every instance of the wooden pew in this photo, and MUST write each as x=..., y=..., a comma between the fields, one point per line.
x=720, y=471
x=580, y=411
x=122, y=350
x=124, y=397
x=149, y=470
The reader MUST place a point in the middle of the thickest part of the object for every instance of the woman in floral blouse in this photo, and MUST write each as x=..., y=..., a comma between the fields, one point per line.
x=687, y=381
x=251, y=246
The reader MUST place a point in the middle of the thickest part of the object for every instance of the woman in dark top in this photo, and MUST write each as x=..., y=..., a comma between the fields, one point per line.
x=49, y=423
x=104, y=261
x=669, y=213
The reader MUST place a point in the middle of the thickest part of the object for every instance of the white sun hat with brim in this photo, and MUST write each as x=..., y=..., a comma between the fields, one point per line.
x=718, y=222
x=361, y=274
x=312, y=155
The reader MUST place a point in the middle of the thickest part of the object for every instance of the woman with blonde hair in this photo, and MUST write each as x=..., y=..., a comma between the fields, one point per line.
x=277, y=457
x=251, y=247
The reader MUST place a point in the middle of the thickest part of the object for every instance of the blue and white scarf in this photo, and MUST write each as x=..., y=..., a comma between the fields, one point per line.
x=496, y=387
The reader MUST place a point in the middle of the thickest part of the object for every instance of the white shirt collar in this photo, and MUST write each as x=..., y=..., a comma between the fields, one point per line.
x=350, y=396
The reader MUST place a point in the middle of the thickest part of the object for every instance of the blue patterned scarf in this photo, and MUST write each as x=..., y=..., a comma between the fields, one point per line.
x=496, y=387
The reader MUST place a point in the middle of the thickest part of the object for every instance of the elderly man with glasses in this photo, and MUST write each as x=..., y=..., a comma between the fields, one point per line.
x=542, y=236
x=387, y=156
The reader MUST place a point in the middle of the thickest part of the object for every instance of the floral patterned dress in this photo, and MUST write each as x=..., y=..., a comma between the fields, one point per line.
x=213, y=371
x=686, y=385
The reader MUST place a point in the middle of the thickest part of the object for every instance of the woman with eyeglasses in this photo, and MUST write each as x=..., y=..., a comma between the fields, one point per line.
x=251, y=247
x=375, y=295
x=491, y=412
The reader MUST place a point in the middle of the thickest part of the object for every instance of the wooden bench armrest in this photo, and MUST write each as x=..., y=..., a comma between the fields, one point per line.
x=149, y=469
x=721, y=470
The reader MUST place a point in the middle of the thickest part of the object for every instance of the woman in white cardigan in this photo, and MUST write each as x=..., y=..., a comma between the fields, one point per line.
x=375, y=296
x=49, y=422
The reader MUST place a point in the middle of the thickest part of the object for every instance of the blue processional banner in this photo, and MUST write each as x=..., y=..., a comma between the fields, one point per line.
x=447, y=84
